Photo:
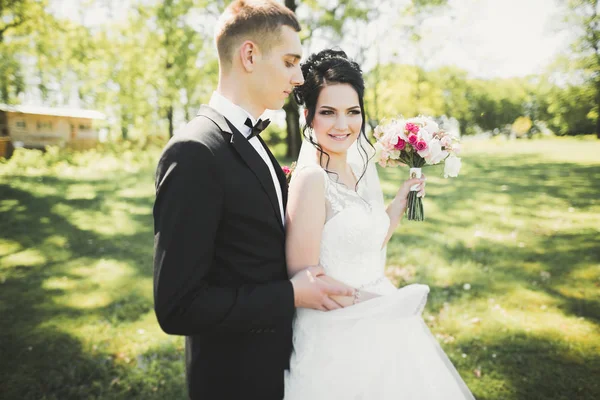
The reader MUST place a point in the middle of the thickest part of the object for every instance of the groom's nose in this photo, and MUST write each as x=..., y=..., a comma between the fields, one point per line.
x=297, y=78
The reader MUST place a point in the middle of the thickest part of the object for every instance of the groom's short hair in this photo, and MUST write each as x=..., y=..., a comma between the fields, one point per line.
x=256, y=20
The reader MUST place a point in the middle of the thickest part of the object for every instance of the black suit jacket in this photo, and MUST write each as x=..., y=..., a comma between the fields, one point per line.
x=220, y=275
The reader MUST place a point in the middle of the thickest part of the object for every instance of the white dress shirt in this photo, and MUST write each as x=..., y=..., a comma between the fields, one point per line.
x=237, y=116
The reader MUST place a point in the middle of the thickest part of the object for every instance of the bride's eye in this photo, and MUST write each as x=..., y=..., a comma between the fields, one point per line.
x=354, y=112
x=326, y=112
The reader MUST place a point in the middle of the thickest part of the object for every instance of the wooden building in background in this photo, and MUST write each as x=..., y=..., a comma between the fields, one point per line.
x=37, y=127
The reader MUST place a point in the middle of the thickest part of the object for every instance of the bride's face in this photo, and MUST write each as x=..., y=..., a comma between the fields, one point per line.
x=338, y=118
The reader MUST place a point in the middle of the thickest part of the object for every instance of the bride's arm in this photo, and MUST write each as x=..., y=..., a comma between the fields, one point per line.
x=305, y=219
x=397, y=207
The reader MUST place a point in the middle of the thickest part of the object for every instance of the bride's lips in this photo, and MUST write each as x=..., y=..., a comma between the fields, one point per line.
x=339, y=138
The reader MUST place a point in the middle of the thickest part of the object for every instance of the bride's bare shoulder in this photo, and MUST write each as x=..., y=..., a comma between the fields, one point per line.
x=308, y=176
x=308, y=182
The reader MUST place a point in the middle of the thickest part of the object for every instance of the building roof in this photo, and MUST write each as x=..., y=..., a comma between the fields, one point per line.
x=57, y=112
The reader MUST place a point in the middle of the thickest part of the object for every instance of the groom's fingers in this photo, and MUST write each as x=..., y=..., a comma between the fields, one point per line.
x=337, y=290
x=330, y=304
x=317, y=270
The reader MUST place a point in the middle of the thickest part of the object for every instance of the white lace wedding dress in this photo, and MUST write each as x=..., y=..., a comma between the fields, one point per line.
x=379, y=349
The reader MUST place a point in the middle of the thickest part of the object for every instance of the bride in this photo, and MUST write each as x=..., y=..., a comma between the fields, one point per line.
x=373, y=345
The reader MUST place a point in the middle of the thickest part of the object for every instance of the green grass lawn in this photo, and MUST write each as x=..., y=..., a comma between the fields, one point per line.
x=510, y=249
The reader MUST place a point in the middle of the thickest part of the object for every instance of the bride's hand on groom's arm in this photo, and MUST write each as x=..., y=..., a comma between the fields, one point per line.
x=310, y=291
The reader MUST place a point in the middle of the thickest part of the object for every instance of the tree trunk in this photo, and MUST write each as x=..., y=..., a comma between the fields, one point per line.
x=292, y=114
x=292, y=119
x=170, y=119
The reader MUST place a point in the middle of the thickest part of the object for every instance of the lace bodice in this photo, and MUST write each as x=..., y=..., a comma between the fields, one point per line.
x=356, y=225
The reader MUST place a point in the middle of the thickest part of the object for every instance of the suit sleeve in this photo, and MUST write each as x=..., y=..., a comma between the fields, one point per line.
x=187, y=212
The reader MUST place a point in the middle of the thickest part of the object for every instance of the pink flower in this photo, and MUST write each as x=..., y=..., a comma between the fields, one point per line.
x=400, y=145
x=412, y=128
x=286, y=169
x=421, y=145
x=413, y=139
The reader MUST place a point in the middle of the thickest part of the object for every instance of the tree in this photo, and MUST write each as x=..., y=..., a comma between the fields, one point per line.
x=583, y=19
x=180, y=47
x=17, y=19
x=15, y=14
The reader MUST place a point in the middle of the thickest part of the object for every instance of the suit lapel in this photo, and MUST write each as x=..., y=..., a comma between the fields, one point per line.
x=250, y=157
x=279, y=172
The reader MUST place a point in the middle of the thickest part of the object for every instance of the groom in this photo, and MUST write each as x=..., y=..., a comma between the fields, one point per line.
x=220, y=276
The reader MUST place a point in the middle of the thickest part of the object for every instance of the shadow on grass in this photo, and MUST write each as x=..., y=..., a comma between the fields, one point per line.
x=527, y=367
x=494, y=199
x=38, y=359
x=527, y=183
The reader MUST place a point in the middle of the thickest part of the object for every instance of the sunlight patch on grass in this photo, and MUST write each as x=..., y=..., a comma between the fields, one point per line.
x=88, y=300
x=61, y=283
x=137, y=192
x=80, y=191
x=102, y=271
x=37, y=186
x=56, y=240
x=28, y=258
x=10, y=205
x=105, y=222
x=588, y=274
x=128, y=208
x=8, y=247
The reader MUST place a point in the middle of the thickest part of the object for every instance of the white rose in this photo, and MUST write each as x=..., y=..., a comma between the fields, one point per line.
x=431, y=126
x=425, y=135
x=400, y=126
x=435, y=152
x=452, y=166
x=389, y=133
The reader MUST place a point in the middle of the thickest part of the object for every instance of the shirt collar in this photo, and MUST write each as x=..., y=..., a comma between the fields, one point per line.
x=234, y=113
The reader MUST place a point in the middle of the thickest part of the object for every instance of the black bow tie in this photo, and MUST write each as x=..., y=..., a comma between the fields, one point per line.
x=258, y=128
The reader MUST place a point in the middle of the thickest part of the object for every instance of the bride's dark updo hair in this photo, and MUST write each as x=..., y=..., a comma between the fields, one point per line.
x=329, y=67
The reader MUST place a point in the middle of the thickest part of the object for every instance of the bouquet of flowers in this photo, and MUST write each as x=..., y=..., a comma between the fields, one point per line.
x=416, y=142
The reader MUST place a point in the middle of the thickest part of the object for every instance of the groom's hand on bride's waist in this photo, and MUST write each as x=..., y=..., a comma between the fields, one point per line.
x=312, y=292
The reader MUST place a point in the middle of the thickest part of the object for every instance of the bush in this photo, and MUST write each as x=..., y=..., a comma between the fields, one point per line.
x=128, y=156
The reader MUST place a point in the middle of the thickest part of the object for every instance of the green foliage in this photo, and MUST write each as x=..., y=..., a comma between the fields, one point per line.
x=12, y=82
x=582, y=18
x=20, y=16
x=477, y=104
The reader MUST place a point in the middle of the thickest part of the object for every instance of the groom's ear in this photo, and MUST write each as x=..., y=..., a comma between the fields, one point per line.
x=248, y=54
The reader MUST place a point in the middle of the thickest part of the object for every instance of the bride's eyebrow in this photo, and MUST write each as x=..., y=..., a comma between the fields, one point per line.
x=334, y=109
